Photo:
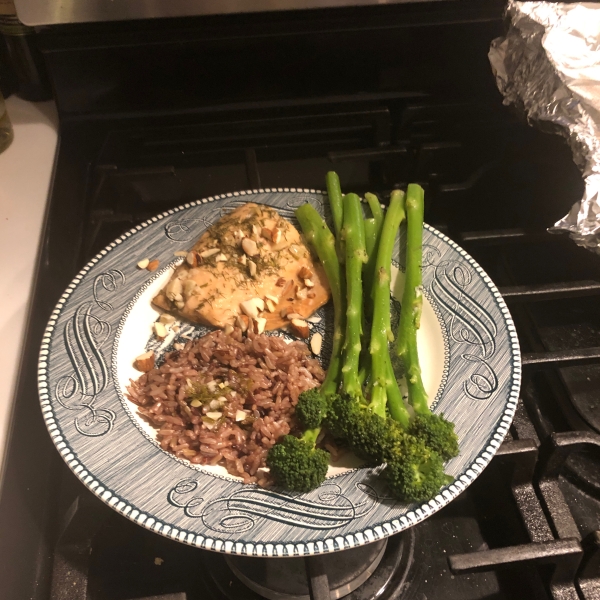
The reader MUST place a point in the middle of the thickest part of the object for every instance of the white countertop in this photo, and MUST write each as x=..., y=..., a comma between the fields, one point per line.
x=25, y=173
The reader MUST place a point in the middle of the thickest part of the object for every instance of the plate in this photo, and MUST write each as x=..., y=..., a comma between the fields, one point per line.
x=471, y=368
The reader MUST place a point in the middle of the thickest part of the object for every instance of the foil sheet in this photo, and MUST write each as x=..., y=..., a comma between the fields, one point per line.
x=548, y=65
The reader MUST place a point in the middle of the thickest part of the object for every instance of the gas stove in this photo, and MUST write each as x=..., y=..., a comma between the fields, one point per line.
x=383, y=95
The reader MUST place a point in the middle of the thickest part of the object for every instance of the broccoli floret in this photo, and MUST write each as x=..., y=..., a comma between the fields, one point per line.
x=437, y=433
x=311, y=408
x=414, y=472
x=296, y=464
x=369, y=435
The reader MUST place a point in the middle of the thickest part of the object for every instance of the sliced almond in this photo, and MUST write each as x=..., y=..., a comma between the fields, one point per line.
x=214, y=415
x=189, y=287
x=305, y=273
x=299, y=327
x=314, y=319
x=243, y=259
x=273, y=299
x=287, y=290
x=270, y=305
x=174, y=289
x=180, y=253
x=266, y=233
x=252, y=268
x=256, y=229
x=160, y=331
x=309, y=283
x=294, y=315
x=221, y=257
x=143, y=263
x=260, y=303
x=302, y=294
x=209, y=252
x=153, y=265
x=240, y=415
x=316, y=341
x=145, y=362
x=192, y=259
x=280, y=282
x=166, y=319
x=249, y=308
x=242, y=322
x=276, y=235
x=260, y=325
x=294, y=251
x=228, y=329
x=249, y=247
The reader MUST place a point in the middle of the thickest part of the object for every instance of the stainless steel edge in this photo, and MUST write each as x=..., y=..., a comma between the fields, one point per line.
x=51, y=12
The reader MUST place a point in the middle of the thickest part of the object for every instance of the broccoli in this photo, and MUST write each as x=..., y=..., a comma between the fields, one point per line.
x=437, y=433
x=414, y=472
x=296, y=464
x=311, y=408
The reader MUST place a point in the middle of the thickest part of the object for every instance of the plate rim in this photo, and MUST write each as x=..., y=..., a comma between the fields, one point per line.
x=380, y=530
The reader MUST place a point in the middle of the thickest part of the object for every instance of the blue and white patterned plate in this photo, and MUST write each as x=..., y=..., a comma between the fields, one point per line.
x=471, y=367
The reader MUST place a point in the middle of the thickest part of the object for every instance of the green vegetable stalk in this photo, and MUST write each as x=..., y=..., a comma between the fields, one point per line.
x=334, y=191
x=356, y=256
x=433, y=430
x=336, y=202
x=320, y=238
x=384, y=390
x=373, y=228
x=412, y=298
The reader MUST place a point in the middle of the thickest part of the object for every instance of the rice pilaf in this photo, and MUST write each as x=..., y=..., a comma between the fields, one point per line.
x=227, y=399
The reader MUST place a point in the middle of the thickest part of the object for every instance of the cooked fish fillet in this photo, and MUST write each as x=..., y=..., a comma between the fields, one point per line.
x=251, y=253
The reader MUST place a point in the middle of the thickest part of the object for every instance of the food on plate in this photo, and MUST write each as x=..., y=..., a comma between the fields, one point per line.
x=227, y=398
x=265, y=409
x=360, y=401
x=251, y=264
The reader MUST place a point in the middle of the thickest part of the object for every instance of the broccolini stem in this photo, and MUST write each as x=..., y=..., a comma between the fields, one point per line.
x=334, y=192
x=412, y=298
x=384, y=385
x=417, y=396
x=322, y=241
x=376, y=209
x=310, y=436
x=373, y=233
x=356, y=256
x=370, y=236
x=336, y=202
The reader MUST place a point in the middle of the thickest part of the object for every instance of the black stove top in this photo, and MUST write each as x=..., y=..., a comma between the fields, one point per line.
x=529, y=526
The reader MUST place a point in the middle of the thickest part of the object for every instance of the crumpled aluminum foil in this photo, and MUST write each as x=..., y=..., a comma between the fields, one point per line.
x=548, y=65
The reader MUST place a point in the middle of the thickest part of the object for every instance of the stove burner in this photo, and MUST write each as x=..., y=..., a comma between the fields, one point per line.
x=365, y=572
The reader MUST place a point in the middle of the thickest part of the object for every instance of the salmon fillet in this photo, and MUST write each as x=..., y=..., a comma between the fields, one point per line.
x=252, y=254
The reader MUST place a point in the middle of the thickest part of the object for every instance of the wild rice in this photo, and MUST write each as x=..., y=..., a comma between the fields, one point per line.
x=222, y=375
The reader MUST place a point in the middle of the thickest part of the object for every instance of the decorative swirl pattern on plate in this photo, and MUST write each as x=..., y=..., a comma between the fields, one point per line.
x=470, y=323
x=185, y=230
x=83, y=335
x=325, y=508
x=110, y=282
